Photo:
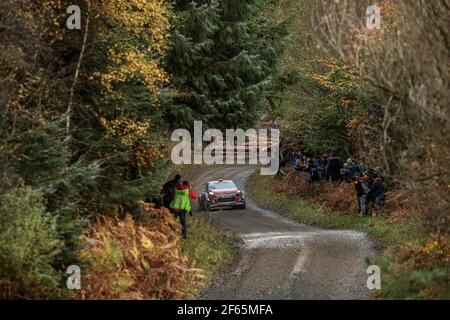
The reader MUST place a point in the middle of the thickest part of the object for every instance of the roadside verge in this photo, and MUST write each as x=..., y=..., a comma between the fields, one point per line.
x=402, y=275
x=208, y=248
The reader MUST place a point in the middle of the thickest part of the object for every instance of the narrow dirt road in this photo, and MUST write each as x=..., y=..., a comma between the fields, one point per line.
x=282, y=259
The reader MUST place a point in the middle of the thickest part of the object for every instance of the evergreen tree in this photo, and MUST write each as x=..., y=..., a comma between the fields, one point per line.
x=219, y=63
x=42, y=160
x=34, y=147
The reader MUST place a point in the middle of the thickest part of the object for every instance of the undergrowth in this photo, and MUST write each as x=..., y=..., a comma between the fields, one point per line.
x=147, y=259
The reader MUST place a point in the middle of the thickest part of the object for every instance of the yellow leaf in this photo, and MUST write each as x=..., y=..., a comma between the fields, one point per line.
x=146, y=242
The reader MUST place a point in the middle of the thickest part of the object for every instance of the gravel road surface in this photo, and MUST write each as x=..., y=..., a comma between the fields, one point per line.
x=283, y=259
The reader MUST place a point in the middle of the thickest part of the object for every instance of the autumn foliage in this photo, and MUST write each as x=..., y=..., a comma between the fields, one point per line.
x=136, y=260
x=146, y=26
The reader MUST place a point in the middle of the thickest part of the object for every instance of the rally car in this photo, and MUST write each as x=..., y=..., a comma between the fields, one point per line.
x=221, y=194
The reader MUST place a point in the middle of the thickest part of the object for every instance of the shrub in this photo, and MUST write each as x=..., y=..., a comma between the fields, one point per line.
x=341, y=198
x=417, y=272
x=28, y=245
x=136, y=260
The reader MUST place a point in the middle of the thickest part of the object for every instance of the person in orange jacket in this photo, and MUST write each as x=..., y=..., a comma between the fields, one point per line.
x=362, y=190
x=192, y=195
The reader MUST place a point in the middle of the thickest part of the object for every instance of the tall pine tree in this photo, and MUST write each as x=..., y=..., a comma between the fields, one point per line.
x=219, y=63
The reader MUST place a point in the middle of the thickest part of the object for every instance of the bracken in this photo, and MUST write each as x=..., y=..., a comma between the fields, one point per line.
x=132, y=260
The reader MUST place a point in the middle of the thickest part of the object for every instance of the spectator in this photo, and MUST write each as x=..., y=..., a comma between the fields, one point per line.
x=362, y=190
x=377, y=192
x=299, y=167
x=281, y=165
x=352, y=165
x=181, y=205
x=192, y=195
x=313, y=171
x=334, y=168
x=168, y=190
x=359, y=168
x=324, y=167
x=294, y=159
x=317, y=162
x=347, y=173
x=369, y=186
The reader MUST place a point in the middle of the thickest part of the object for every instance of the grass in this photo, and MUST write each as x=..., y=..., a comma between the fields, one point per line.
x=209, y=248
x=401, y=278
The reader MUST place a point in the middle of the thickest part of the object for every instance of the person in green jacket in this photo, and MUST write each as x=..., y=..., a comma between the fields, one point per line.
x=181, y=205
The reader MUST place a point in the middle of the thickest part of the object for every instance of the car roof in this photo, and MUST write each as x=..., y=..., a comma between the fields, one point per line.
x=221, y=181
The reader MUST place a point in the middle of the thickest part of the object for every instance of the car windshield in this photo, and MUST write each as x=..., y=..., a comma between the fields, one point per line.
x=222, y=185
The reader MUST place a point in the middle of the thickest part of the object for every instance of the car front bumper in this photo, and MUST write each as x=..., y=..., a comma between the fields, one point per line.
x=225, y=203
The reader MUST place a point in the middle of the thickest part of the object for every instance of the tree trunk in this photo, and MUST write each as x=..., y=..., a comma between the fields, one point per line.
x=77, y=70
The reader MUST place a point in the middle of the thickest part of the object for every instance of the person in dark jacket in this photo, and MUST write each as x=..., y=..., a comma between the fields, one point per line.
x=281, y=165
x=362, y=189
x=299, y=167
x=347, y=173
x=324, y=167
x=168, y=190
x=313, y=171
x=294, y=158
x=334, y=168
x=377, y=192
